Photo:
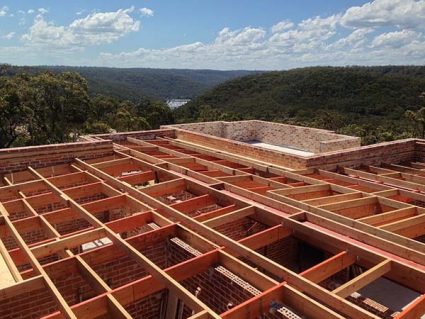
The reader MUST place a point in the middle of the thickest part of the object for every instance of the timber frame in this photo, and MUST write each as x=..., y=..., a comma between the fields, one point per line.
x=223, y=213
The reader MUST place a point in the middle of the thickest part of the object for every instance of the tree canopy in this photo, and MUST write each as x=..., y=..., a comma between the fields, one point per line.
x=53, y=108
x=369, y=102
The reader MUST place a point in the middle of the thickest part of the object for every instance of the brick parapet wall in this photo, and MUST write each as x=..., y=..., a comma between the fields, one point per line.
x=19, y=158
x=306, y=138
x=242, y=149
x=388, y=152
x=122, y=136
x=419, y=151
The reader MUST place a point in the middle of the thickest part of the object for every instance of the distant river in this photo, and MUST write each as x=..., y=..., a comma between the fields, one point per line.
x=175, y=103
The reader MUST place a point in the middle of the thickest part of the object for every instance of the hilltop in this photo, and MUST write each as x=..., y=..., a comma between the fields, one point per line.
x=365, y=101
x=135, y=83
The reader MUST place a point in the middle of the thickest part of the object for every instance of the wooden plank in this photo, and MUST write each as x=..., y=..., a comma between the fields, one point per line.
x=150, y=266
x=266, y=237
x=194, y=203
x=215, y=213
x=364, y=279
x=389, y=217
x=130, y=222
x=63, y=306
x=230, y=217
x=301, y=283
x=9, y=265
x=329, y=267
x=414, y=310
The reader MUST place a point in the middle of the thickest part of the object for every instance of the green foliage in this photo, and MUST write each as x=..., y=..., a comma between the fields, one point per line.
x=418, y=118
x=136, y=83
x=53, y=108
x=156, y=113
x=369, y=102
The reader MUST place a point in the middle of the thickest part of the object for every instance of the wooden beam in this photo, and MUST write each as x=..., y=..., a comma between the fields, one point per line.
x=215, y=213
x=389, y=217
x=414, y=310
x=266, y=237
x=230, y=217
x=159, y=274
x=329, y=267
x=301, y=283
x=129, y=222
x=63, y=306
x=363, y=280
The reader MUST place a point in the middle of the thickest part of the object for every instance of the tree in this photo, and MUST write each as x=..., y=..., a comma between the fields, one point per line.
x=156, y=113
x=13, y=115
x=61, y=105
x=418, y=118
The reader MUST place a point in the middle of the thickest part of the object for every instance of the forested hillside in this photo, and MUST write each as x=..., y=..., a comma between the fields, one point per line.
x=370, y=102
x=375, y=103
x=52, y=108
x=135, y=83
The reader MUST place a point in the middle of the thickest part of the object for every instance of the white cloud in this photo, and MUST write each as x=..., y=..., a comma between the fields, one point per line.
x=282, y=26
x=3, y=11
x=313, y=41
x=146, y=12
x=310, y=34
x=78, y=13
x=354, y=40
x=402, y=13
x=43, y=10
x=245, y=37
x=378, y=32
x=96, y=28
x=396, y=39
x=9, y=35
x=30, y=11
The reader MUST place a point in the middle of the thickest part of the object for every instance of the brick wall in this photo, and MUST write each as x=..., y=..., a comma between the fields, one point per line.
x=238, y=148
x=34, y=236
x=74, y=288
x=28, y=305
x=50, y=207
x=284, y=252
x=90, y=198
x=307, y=138
x=388, y=152
x=71, y=226
x=241, y=228
x=19, y=158
x=218, y=290
x=18, y=214
x=148, y=307
x=122, y=136
x=166, y=253
x=120, y=271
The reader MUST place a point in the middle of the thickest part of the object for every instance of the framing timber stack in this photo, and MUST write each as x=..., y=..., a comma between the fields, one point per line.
x=155, y=225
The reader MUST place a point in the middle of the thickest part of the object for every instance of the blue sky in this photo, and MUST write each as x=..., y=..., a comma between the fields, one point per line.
x=214, y=34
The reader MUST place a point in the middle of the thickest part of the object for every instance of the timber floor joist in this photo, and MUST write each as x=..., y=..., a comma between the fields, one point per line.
x=165, y=229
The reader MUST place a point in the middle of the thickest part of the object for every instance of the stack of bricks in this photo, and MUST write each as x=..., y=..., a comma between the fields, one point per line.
x=372, y=306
